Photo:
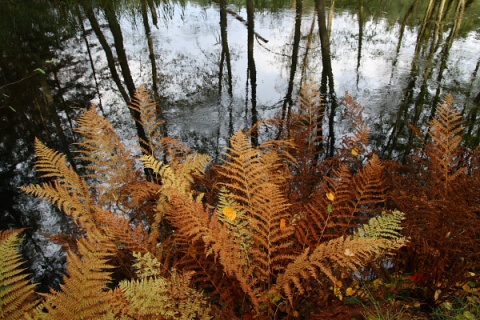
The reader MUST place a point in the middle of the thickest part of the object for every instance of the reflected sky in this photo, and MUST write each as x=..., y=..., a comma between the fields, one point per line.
x=188, y=53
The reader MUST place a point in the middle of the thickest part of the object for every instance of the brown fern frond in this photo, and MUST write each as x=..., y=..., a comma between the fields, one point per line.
x=69, y=192
x=178, y=175
x=353, y=200
x=370, y=189
x=155, y=297
x=110, y=165
x=122, y=232
x=210, y=277
x=189, y=216
x=271, y=232
x=17, y=296
x=257, y=206
x=342, y=254
x=355, y=141
x=444, y=152
x=245, y=168
x=306, y=126
x=139, y=200
x=173, y=149
x=177, y=179
x=150, y=120
x=87, y=280
x=357, y=197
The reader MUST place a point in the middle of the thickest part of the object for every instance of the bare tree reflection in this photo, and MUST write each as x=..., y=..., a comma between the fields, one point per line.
x=251, y=70
x=430, y=49
x=327, y=86
x=288, y=101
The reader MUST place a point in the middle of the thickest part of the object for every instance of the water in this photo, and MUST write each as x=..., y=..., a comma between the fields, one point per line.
x=218, y=67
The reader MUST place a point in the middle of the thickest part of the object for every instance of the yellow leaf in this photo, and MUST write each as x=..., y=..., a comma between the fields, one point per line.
x=338, y=293
x=331, y=196
x=230, y=213
x=349, y=253
x=437, y=294
x=377, y=282
x=350, y=291
x=355, y=151
x=283, y=224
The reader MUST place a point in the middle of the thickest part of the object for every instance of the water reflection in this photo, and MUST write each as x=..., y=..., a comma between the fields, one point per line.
x=216, y=67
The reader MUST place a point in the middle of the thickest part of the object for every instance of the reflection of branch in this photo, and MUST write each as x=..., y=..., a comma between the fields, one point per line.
x=245, y=22
x=18, y=81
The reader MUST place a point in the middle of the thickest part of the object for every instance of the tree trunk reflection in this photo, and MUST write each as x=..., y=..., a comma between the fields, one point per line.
x=327, y=87
x=225, y=55
x=252, y=70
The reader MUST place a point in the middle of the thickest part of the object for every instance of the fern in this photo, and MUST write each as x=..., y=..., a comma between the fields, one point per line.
x=354, y=142
x=83, y=294
x=177, y=179
x=154, y=295
x=307, y=124
x=343, y=254
x=355, y=198
x=178, y=176
x=446, y=132
x=110, y=164
x=16, y=292
x=386, y=226
x=242, y=243
x=150, y=120
x=68, y=191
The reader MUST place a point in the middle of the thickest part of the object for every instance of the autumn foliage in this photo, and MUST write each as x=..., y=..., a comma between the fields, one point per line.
x=276, y=230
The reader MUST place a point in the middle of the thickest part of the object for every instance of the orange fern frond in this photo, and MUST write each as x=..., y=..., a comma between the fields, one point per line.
x=306, y=126
x=343, y=254
x=17, y=296
x=355, y=141
x=109, y=163
x=446, y=132
x=122, y=232
x=353, y=200
x=87, y=280
x=69, y=192
x=143, y=104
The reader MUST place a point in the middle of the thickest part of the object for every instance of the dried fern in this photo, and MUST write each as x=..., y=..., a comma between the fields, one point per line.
x=16, y=291
x=83, y=294
x=355, y=141
x=178, y=175
x=252, y=179
x=446, y=132
x=110, y=165
x=354, y=199
x=155, y=296
x=176, y=179
x=143, y=104
x=69, y=192
x=306, y=126
x=343, y=254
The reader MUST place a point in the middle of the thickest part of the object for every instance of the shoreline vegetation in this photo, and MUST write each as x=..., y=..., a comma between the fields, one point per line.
x=281, y=228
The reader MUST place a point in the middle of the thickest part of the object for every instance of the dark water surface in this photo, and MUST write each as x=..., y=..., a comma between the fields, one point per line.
x=219, y=66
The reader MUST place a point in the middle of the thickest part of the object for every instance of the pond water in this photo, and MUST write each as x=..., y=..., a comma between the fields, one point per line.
x=217, y=66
